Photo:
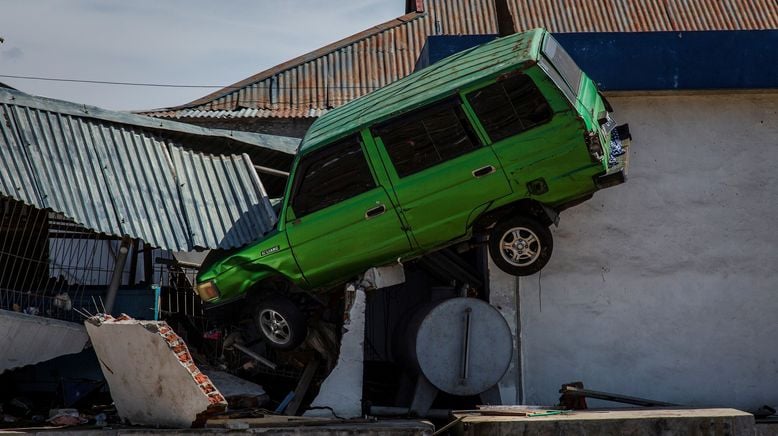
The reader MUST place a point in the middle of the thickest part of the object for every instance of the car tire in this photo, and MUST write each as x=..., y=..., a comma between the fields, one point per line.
x=520, y=246
x=280, y=323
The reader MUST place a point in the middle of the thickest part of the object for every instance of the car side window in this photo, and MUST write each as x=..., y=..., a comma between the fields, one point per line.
x=427, y=137
x=510, y=106
x=330, y=175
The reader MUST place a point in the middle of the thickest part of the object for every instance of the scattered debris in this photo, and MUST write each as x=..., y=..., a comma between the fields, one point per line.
x=65, y=417
x=573, y=391
x=763, y=412
x=302, y=387
x=268, y=420
x=510, y=410
x=254, y=355
x=572, y=402
x=239, y=393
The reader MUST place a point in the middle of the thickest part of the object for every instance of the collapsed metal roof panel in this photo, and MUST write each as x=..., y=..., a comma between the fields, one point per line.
x=127, y=175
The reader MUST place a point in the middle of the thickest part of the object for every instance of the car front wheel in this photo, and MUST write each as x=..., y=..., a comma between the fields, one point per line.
x=520, y=245
x=281, y=323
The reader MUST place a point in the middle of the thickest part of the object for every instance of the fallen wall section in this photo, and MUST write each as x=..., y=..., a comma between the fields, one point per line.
x=150, y=372
x=29, y=339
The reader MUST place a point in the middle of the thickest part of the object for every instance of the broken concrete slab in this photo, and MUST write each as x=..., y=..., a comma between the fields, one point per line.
x=341, y=392
x=29, y=339
x=151, y=374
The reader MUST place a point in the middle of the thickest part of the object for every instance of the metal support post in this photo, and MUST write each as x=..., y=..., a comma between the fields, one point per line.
x=116, y=279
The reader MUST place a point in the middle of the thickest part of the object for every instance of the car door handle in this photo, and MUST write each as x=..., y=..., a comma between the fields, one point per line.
x=485, y=171
x=375, y=211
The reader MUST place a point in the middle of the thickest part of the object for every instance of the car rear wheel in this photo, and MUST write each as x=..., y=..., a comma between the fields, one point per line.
x=520, y=246
x=281, y=323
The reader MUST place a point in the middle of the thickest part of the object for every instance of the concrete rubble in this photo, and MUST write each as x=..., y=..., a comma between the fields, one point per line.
x=29, y=339
x=151, y=374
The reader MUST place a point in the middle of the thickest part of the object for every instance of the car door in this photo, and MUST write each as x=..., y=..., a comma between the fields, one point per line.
x=442, y=175
x=341, y=221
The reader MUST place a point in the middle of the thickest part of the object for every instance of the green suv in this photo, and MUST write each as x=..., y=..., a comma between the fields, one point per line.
x=496, y=139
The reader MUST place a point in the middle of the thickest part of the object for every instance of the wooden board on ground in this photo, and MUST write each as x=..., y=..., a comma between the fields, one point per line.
x=270, y=421
x=508, y=410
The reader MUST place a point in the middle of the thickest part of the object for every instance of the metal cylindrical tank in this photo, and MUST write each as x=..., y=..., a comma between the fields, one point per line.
x=463, y=346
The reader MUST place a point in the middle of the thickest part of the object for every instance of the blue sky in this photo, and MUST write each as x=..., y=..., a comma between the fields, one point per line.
x=200, y=42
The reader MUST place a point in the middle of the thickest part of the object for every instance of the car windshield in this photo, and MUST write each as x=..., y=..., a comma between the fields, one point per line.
x=563, y=63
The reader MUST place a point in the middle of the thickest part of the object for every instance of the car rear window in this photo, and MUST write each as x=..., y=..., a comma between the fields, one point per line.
x=509, y=106
x=563, y=63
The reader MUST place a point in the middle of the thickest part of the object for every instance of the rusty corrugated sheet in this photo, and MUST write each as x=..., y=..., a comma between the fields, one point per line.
x=645, y=15
x=128, y=175
x=333, y=75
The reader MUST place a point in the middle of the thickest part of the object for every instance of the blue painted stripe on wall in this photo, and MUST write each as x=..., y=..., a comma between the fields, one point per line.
x=622, y=61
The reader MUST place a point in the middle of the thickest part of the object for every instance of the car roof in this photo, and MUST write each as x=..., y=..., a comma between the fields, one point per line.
x=427, y=85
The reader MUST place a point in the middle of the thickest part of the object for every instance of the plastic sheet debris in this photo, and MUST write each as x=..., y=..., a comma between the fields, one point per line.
x=66, y=417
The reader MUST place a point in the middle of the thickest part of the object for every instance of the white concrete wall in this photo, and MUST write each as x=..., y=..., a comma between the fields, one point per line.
x=667, y=287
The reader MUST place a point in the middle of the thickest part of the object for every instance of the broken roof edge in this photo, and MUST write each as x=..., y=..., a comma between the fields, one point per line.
x=282, y=144
x=294, y=62
x=196, y=242
x=131, y=179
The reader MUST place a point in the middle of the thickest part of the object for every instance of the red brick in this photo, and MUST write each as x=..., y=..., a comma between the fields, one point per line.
x=201, y=378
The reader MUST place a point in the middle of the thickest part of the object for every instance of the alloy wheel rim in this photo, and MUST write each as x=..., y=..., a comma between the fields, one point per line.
x=520, y=246
x=274, y=326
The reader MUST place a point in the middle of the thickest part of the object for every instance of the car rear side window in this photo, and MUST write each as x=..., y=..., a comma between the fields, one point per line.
x=330, y=175
x=427, y=137
x=510, y=106
x=563, y=63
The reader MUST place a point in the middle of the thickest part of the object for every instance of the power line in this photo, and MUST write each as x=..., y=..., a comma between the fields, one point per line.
x=173, y=85
x=102, y=82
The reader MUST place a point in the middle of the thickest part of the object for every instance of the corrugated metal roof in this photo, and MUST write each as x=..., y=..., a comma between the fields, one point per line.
x=128, y=175
x=432, y=83
x=645, y=15
x=342, y=71
x=240, y=113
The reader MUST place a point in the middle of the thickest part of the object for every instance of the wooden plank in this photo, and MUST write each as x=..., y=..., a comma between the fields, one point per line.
x=269, y=420
x=302, y=386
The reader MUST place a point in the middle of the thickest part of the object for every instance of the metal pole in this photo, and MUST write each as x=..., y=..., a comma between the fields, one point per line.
x=256, y=356
x=157, y=293
x=118, y=270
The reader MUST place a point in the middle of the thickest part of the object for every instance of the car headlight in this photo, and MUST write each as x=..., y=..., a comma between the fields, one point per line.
x=207, y=290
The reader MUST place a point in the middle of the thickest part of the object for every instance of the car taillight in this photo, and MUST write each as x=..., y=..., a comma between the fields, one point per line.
x=594, y=145
x=208, y=290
